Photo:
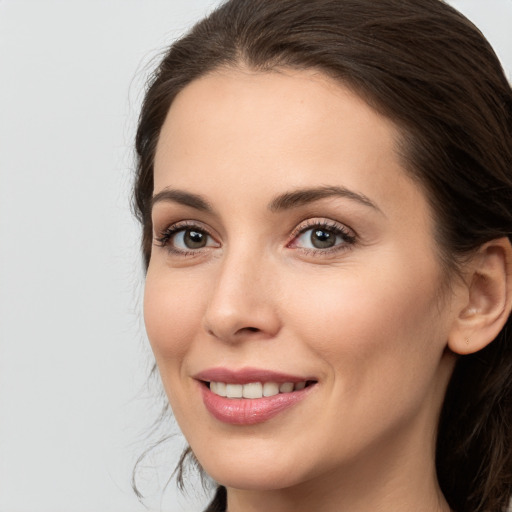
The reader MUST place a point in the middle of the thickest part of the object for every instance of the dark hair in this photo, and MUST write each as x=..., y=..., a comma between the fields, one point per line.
x=428, y=69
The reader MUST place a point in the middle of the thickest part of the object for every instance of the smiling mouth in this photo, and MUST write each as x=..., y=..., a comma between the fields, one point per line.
x=255, y=390
x=251, y=396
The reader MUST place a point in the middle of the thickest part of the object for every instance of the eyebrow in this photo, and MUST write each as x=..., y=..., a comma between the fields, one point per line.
x=182, y=197
x=286, y=201
x=305, y=196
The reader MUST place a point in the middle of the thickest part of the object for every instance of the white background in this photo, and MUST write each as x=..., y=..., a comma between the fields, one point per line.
x=74, y=407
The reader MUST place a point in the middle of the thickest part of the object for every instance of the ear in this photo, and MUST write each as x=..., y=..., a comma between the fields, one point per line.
x=488, y=298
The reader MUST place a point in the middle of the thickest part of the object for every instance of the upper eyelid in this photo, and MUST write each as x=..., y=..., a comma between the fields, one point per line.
x=321, y=221
x=176, y=227
x=182, y=224
x=300, y=226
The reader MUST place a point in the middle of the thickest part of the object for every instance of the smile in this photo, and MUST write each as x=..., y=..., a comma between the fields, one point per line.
x=255, y=390
x=250, y=396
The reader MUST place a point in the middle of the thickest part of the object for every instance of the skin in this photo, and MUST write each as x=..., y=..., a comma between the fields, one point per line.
x=370, y=319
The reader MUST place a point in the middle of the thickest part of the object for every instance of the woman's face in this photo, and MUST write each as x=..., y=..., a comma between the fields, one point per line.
x=293, y=252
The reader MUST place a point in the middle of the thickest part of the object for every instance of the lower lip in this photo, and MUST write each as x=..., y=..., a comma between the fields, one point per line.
x=249, y=411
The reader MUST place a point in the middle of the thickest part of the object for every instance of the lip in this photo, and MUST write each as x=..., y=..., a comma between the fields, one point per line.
x=244, y=411
x=248, y=375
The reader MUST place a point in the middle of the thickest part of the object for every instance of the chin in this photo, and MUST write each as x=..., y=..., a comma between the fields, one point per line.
x=251, y=479
x=251, y=473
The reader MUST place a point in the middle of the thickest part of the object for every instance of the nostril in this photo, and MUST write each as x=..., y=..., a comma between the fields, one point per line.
x=247, y=330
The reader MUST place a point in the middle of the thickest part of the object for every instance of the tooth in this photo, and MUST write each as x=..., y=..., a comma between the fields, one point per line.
x=286, y=387
x=253, y=390
x=270, y=389
x=234, y=390
x=299, y=385
x=219, y=388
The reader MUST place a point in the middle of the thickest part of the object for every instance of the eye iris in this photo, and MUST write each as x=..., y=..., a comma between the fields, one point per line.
x=322, y=239
x=194, y=239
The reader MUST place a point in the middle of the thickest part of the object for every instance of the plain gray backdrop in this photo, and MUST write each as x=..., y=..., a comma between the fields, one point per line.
x=74, y=406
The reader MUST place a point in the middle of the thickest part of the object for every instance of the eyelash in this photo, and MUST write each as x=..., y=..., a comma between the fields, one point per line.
x=349, y=238
x=165, y=237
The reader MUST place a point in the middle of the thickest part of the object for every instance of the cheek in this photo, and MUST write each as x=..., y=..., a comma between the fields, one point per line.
x=368, y=324
x=172, y=314
x=375, y=336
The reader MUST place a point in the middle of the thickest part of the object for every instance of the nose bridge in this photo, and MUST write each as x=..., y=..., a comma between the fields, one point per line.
x=241, y=301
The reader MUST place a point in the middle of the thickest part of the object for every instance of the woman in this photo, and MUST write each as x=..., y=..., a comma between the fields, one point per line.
x=325, y=193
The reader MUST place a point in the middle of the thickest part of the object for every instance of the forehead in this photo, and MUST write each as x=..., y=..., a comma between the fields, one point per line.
x=229, y=105
x=274, y=131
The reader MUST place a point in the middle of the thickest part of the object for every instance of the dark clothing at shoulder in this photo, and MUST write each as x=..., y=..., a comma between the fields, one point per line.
x=219, y=502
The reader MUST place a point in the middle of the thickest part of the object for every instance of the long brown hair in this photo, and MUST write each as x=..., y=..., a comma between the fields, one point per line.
x=428, y=69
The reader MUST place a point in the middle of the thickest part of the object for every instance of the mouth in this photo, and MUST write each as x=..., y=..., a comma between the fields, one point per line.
x=250, y=396
x=255, y=390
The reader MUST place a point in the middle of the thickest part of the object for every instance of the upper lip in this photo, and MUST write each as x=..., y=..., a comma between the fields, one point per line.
x=247, y=375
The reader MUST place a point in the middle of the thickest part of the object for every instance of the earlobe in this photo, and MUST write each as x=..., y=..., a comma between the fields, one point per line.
x=488, y=301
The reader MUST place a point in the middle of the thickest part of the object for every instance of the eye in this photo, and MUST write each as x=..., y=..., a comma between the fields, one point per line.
x=318, y=238
x=185, y=239
x=323, y=236
x=190, y=239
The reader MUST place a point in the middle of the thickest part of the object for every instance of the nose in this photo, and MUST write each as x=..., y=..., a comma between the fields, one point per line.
x=243, y=302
